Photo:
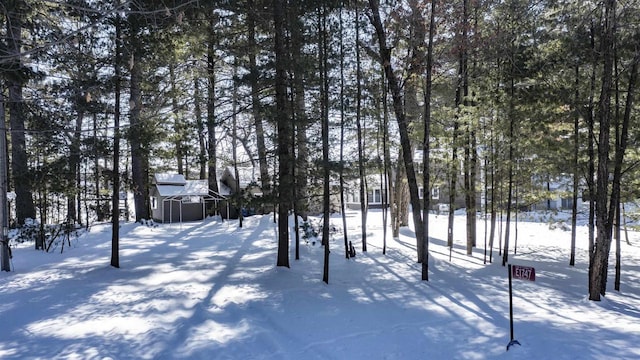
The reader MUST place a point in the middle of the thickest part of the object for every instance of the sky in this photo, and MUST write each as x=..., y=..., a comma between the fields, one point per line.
x=211, y=290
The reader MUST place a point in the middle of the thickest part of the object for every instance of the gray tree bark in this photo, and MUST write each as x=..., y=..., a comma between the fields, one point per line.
x=284, y=124
x=15, y=79
x=600, y=264
x=139, y=155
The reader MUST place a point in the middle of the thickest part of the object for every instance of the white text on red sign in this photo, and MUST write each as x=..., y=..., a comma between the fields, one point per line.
x=523, y=272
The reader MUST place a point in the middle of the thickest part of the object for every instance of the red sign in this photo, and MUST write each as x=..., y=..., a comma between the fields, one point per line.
x=523, y=272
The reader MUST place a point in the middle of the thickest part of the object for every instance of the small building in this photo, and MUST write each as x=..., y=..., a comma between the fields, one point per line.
x=175, y=199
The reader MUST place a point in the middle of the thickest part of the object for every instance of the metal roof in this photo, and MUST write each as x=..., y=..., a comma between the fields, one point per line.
x=169, y=179
x=190, y=188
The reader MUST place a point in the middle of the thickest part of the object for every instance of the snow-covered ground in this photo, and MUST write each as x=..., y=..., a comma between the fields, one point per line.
x=211, y=290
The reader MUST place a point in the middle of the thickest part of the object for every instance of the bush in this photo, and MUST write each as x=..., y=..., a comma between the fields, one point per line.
x=50, y=235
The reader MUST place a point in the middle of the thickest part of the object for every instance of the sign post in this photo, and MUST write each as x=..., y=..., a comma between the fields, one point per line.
x=523, y=273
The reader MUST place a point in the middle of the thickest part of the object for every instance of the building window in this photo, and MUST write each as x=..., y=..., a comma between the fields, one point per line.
x=154, y=203
x=374, y=196
x=421, y=192
x=435, y=193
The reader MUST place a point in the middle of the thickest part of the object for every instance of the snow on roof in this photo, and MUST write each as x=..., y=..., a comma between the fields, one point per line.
x=190, y=188
x=169, y=179
x=224, y=190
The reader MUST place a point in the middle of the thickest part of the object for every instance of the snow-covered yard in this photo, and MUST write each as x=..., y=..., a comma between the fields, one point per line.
x=211, y=290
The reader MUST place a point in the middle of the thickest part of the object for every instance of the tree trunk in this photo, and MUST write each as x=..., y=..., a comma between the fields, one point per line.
x=202, y=146
x=74, y=166
x=115, y=196
x=618, y=250
x=299, y=110
x=398, y=105
x=5, y=251
x=178, y=126
x=600, y=263
x=576, y=167
x=265, y=180
x=139, y=153
x=97, y=173
x=15, y=81
x=469, y=135
x=364, y=204
x=294, y=202
x=414, y=81
x=494, y=171
x=283, y=122
x=387, y=165
x=234, y=145
x=212, y=142
x=624, y=224
x=400, y=202
x=591, y=152
x=511, y=139
x=621, y=147
x=460, y=99
x=472, y=194
x=342, y=133
x=324, y=111
x=453, y=182
x=426, y=143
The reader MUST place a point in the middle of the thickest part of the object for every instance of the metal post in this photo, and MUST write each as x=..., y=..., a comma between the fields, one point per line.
x=513, y=341
x=510, y=303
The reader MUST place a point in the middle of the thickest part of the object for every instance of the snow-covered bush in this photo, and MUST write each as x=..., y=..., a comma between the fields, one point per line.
x=312, y=230
x=25, y=233
x=148, y=222
x=51, y=235
x=309, y=230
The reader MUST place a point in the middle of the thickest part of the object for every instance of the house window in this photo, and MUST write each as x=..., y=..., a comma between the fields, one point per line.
x=435, y=193
x=421, y=192
x=374, y=196
x=154, y=203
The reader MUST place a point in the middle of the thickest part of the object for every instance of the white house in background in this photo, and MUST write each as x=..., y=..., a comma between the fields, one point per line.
x=175, y=199
x=558, y=193
x=376, y=192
